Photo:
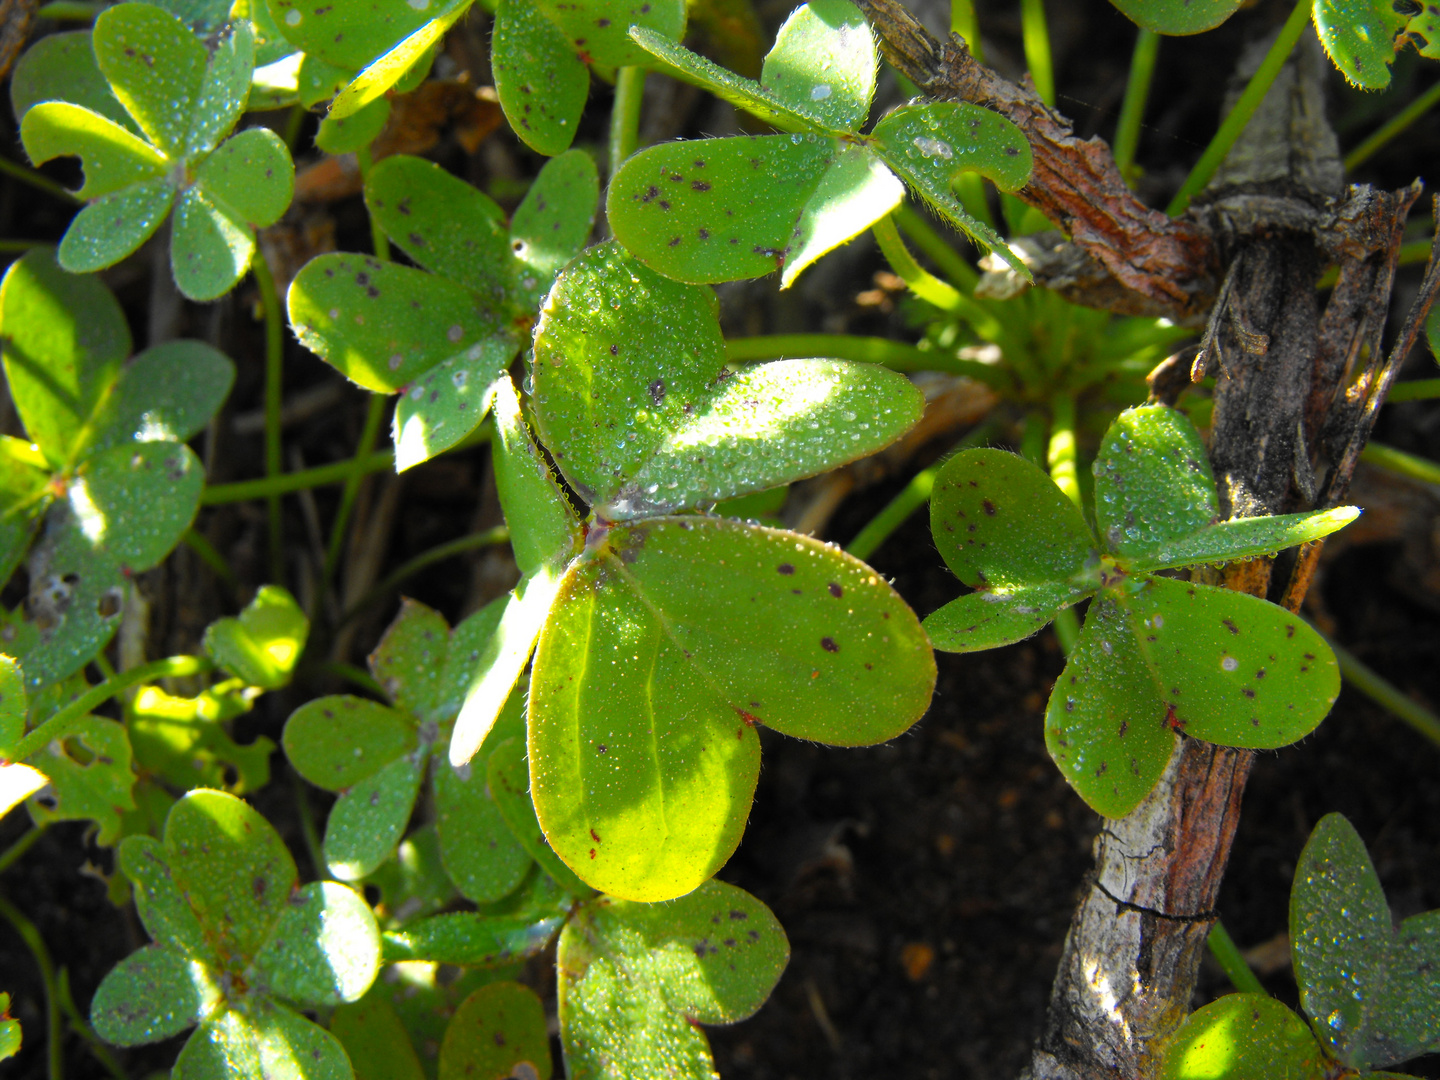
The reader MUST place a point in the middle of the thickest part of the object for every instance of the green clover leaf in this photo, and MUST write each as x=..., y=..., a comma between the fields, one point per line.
x=232, y=933
x=182, y=100
x=499, y=1030
x=1156, y=655
x=742, y=207
x=9, y=1030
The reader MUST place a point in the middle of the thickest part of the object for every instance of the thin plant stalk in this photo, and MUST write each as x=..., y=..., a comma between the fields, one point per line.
x=964, y=24
x=28, y=933
x=1227, y=954
x=39, y=181
x=1398, y=461
x=1132, y=109
x=1386, y=694
x=406, y=570
x=1036, y=37
x=1414, y=390
x=912, y=497
x=866, y=350
x=927, y=286
x=274, y=396
x=212, y=558
x=15, y=851
x=308, y=832
x=65, y=720
x=352, y=674
x=378, y=240
x=1392, y=127
x=96, y=1045
x=19, y=247
x=961, y=274
x=294, y=124
x=1062, y=458
x=368, y=437
x=301, y=480
x=1259, y=85
x=625, y=115
x=1034, y=441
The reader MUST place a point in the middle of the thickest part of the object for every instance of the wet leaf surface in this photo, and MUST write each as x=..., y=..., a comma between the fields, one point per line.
x=498, y=1032
x=543, y=528
x=470, y=939
x=337, y=741
x=367, y=821
x=152, y=994
x=323, y=950
x=1240, y=1036
x=541, y=81
x=508, y=776
x=481, y=854
x=62, y=66
x=987, y=620
x=823, y=64
x=409, y=662
x=261, y=1040
x=1178, y=16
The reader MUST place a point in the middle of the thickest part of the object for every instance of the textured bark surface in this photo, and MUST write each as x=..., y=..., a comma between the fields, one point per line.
x=1286, y=406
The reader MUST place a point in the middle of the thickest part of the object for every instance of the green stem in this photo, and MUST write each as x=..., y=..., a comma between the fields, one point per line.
x=1132, y=109
x=625, y=115
x=308, y=831
x=36, y=944
x=19, y=247
x=1067, y=629
x=1244, y=109
x=1227, y=953
x=927, y=286
x=67, y=719
x=1036, y=37
x=964, y=23
x=352, y=674
x=38, y=181
x=865, y=350
x=274, y=397
x=202, y=547
x=1387, y=695
x=302, y=480
x=1394, y=126
x=498, y=535
x=1033, y=444
x=71, y=10
x=1415, y=390
x=1397, y=461
x=1062, y=456
x=961, y=274
x=368, y=436
x=912, y=497
x=78, y=1025
x=294, y=124
x=378, y=238
x=14, y=852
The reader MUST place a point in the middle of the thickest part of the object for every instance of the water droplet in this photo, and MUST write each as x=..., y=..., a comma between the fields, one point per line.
x=820, y=92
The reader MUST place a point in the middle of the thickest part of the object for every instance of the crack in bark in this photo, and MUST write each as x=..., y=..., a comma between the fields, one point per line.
x=1126, y=905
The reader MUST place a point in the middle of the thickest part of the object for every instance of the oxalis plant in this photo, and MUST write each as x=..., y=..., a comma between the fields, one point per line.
x=555, y=781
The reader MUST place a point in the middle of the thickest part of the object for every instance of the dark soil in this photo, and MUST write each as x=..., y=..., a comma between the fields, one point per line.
x=926, y=885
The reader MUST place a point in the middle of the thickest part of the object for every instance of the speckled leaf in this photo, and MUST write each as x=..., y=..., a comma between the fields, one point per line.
x=336, y=742
x=24, y=498
x=162, y=907
x=448, y=402
x=1238, y=671
x=643, y=784
x=349, y=134
x=1360, y=37
x=261, y=1040
x=368, y=819
x=375, y=1039
x=551, y=224
x=1243, y=1037
x=13, y=704
x=1153, y=483
x=112, y=157
x=224, y=89
x=90, y=778
x=1178, y=16
x=497, y=1033
x=324, y=949
x=385, y=71
x=543, y=528
x=508, y=774
x=823, y=64
x=211, y=246
x=152, y=994
x=1241, y=538
x=502, y=661
x=725, y=209
x=348, y=35
x=182, y=741
x=123, y=511
x=462, y=663
x=156, y=67
x=987, y=620
x=9, y=1030
x=930, y=144
x=250, y=175
x=62, y=67
x=741, y=92
x=233, y=869
x=470, y=939
x=440, y=221
x=409, y=662
x=1002, y=524
x=1105, y=724
x=636, y=980
x=112, y=227
x=599, y=29
x=64, y=341
x=481, y=856
x=168, y=392
x=1369, y=990
x=693, y=431
x=263, y=645
x=380, y=324
x=541, y=82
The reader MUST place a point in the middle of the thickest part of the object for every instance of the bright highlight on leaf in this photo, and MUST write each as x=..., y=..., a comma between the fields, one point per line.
x=1156, y=655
